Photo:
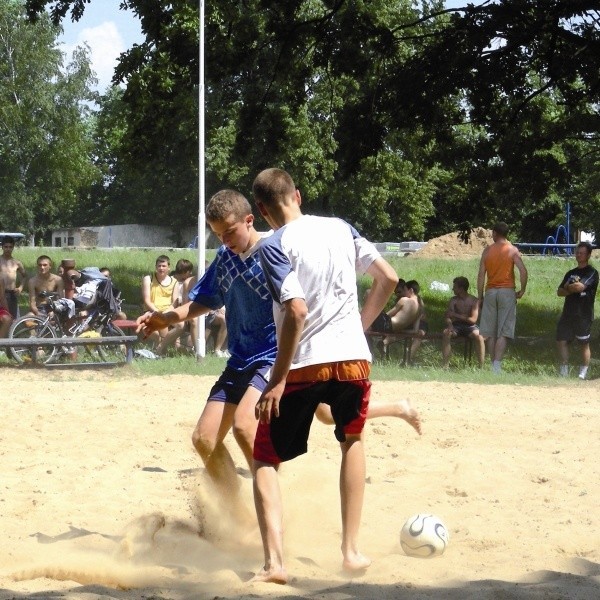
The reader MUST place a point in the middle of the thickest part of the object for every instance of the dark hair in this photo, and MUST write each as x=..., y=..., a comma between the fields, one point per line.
x=8, y=239
x=273, y=186
x=501, y=228
x=43, y=257
x=461, y=282
x=163, y=258
x=414, y=286
x=183, y=265
x=399, y=286
x=585, y=245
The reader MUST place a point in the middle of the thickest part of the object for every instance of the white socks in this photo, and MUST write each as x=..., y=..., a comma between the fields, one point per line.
x=582, y=372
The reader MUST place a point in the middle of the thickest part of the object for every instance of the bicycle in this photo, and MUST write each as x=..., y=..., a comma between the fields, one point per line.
x=89, y=321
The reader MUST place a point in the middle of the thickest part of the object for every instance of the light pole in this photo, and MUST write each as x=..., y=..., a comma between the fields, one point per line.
x=201, y=341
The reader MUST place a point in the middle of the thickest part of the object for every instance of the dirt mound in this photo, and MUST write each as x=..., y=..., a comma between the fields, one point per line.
x=450, y=245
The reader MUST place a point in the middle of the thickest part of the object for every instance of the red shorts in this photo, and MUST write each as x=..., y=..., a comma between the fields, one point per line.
x=344, y=386
x=4, y=312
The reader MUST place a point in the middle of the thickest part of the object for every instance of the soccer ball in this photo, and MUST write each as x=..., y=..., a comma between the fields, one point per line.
x=424, y=536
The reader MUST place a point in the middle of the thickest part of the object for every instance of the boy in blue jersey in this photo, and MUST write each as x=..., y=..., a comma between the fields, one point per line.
x=234, y=280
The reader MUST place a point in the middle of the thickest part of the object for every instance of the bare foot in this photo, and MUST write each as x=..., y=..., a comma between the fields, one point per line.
x=356, y=563
x=410, y=415
x=273, y=575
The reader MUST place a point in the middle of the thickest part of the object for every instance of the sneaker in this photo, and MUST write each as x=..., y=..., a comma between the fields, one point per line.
x=583, y=372
x=222, y=353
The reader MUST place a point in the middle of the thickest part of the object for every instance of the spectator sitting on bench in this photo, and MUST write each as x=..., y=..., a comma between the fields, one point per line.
x=403, y=315
x=43, y=281
x=461, y=320
x=184, y=275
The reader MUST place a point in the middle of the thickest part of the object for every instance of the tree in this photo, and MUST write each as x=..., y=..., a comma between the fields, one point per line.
x=44, y=155
x=408, y=120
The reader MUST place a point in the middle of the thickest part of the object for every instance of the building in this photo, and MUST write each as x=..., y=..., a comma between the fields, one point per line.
x=122, y=236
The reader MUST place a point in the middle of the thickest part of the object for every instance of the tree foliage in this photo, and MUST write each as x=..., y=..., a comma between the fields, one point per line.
x=408, y=119
x=45, y=151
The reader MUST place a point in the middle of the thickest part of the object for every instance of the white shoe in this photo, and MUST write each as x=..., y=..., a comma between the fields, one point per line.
x=223, y=353
x=583, y=372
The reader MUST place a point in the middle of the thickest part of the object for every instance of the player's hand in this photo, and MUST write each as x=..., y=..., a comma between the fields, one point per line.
x=149, y=322
x=267, y=406
x=520, y=294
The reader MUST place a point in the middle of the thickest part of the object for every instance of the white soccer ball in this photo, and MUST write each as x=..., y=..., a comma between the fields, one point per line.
x=424, y=536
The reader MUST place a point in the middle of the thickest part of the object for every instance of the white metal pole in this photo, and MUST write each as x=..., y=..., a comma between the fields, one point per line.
x=201, y=342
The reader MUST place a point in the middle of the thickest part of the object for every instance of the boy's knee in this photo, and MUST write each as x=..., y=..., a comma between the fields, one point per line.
x=203, y=443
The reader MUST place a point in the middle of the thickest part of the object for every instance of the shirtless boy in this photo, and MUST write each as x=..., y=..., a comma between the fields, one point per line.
x=461, y=320
x=12, y=273
x=43, y=281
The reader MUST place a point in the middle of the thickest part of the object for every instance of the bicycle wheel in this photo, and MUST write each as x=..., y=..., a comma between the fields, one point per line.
x=115, y=352
x=33, y=327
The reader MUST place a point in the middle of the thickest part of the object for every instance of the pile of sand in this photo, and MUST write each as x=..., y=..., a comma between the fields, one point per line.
x=451, y=245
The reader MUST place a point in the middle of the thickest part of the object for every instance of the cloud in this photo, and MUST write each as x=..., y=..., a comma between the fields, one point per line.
x=106, y=44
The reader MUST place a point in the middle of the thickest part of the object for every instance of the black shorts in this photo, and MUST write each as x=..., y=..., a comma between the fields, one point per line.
x=286, y=436
x=573, y=328
x=464, y=330
x=382, y=324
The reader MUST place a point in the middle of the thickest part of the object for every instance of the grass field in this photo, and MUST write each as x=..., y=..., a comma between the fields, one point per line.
x=531, y=356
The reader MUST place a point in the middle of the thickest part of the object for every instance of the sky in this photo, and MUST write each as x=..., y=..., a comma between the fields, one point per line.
x=108, y=32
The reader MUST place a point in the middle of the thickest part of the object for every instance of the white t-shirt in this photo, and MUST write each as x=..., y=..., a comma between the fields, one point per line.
x=316, y=258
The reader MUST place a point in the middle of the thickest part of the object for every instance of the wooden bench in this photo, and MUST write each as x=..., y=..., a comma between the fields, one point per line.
x=128, y=341
x=125, y=324
x=406, y=339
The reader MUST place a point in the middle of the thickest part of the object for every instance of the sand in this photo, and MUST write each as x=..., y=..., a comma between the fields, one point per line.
x=103, y=497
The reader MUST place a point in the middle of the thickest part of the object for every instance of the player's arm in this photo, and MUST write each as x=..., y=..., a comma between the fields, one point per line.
x=384, y=283
x=3, y=302
x=60, y=287
x=522, y=272
x=32, y=297
x=295, y=311
x=156, y=320
x=481, y=276
x=22, y=277
x=146, y=280
x=473, y=315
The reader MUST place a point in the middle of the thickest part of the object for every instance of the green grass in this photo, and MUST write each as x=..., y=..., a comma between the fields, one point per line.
x=531, y=357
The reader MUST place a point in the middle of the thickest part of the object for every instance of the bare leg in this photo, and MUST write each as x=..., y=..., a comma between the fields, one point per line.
x=213, y=425
x=491, y=346
x=269, y=510
x=245, y=423
x=446, y=348
x=401, y=409
x=352, y=489
x=500, y=348
x=169, y=339
x=479, y=348
x=586, y=355
x=5, y=324
x=220, y=332
x=563, y=352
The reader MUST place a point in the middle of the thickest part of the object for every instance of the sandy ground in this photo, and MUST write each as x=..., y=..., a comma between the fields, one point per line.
x=102, y=496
